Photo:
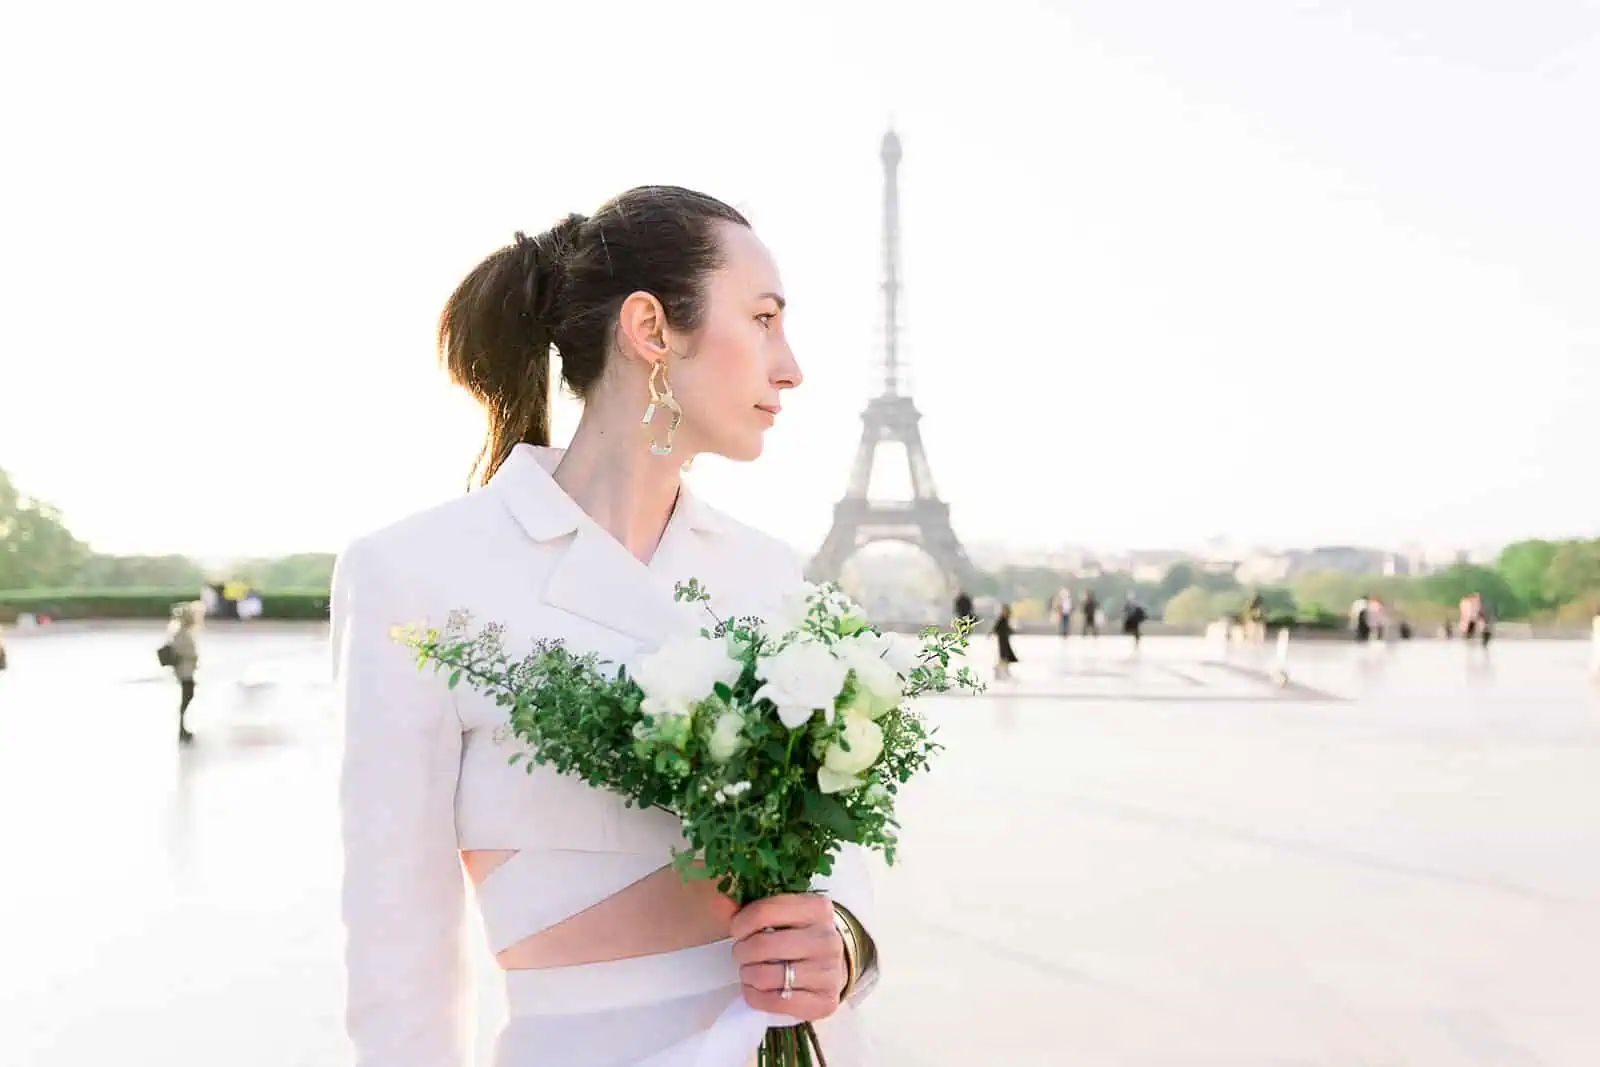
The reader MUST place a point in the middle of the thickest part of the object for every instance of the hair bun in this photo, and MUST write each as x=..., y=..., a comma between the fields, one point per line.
x=544, y=263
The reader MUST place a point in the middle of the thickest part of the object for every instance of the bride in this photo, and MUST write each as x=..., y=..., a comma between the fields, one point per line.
x=664, y=308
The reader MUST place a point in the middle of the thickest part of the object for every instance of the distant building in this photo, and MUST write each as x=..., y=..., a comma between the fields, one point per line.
x=1346, y=559
x=1264, y=569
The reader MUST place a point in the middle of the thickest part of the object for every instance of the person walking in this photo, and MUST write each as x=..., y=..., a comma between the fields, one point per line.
x=183, y=647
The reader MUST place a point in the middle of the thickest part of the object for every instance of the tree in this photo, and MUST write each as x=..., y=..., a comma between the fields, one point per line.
x=1450, y=585
x=1181, y=576
x=142, y=572
x=307, y=570
x=36, y=548
x=1574, y=571
x=1193, y=604
x=1524, y=565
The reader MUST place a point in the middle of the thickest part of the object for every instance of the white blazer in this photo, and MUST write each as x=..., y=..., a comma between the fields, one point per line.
x=425, y=775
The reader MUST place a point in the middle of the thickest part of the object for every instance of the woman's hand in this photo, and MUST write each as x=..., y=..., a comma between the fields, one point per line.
x=798, y=929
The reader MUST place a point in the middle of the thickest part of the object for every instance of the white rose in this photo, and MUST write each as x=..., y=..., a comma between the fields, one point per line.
x=789, y=612
x=842, y=767
x=902, y=653
x=683, y=672
x=726, y=737
x=800, y=679
x=879, y=687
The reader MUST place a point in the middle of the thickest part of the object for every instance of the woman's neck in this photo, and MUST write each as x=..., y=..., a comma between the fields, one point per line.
x=610, y=472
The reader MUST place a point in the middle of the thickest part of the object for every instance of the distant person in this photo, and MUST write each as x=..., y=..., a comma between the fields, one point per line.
x=182, y=654
x=1377, y=617
x=1064, y=610
x=1255, y=619
x=1005, y=655
x=1594, y=650
x=1091, y=615
x=964, y=606
x=1475, y=619
x=1133, y=619
x=1360, y=620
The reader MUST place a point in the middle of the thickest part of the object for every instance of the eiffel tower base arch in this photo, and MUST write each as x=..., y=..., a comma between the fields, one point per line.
x=923, y=523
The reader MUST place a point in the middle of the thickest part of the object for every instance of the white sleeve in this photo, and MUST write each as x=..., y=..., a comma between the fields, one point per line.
x=850, y=884
x=403, y=896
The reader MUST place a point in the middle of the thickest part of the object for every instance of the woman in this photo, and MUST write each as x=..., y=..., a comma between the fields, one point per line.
x=1004, y=656
x=665, y=309
x=185, y=659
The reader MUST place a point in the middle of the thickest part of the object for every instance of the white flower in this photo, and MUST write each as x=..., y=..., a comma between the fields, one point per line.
x=878, y=686
x=683, y=672
x=726, y=736
x=789, y=612
x=800, y=679
x=841, y=767
x=902, y=653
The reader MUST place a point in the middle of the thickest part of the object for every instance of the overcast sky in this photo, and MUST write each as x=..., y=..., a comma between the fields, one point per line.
x=1284, y=272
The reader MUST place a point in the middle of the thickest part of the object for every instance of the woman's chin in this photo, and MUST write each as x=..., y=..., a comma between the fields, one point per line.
x=742, y=450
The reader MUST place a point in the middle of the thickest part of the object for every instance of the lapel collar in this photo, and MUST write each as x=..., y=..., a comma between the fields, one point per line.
x=599, y=580
x=595, y=577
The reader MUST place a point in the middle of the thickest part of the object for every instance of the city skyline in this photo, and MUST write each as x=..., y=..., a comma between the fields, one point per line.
x=1285, y=274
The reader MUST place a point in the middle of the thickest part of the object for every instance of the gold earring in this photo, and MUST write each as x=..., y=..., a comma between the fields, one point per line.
x=661, y=397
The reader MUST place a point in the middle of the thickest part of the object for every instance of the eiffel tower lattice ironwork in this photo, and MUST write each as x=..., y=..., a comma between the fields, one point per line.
x=892, y=418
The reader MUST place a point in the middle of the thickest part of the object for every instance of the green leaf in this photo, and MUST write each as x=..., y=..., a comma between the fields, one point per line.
x=824, y=811
x=455, y=677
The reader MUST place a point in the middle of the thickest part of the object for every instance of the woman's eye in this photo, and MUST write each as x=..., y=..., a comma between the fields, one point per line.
x=765, y=319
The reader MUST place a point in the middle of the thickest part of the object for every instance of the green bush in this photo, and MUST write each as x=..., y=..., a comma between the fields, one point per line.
x=75, y=604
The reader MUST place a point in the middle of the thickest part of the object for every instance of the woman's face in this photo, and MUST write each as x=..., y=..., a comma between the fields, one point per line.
x=738, y=364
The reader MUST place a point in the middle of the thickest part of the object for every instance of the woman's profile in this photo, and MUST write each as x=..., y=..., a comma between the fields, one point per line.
x=666, y=313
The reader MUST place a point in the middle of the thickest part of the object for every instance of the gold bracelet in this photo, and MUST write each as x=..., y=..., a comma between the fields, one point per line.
x=852, y=951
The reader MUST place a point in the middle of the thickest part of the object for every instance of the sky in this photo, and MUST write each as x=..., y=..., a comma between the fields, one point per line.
x=1286, y=273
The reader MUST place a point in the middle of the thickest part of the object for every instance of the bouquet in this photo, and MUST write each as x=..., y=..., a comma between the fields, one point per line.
x=773, y=741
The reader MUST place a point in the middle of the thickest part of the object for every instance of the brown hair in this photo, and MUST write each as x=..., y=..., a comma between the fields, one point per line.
x=563, y=288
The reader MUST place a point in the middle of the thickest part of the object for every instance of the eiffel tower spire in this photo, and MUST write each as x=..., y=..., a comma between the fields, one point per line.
x=893, y=383
x=892, y=417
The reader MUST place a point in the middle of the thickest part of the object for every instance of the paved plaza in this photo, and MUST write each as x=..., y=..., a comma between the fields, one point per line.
x=1119, y=861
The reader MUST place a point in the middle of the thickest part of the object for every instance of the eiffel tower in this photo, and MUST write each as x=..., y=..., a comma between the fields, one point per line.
x=892, y=417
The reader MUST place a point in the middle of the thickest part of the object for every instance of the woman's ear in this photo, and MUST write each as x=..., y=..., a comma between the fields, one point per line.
x=642, y=326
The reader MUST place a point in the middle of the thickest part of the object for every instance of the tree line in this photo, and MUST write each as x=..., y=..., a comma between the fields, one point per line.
x=1555, y=581
x=39, y=551
x=1535, y=580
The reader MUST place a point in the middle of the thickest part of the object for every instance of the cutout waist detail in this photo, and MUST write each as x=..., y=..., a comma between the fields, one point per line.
x=624, y=983
x=552, y=909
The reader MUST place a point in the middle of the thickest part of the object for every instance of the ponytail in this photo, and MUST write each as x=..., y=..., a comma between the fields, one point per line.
x=495, y=335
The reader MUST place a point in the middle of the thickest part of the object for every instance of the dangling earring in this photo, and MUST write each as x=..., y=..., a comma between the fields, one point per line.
x=661, y=397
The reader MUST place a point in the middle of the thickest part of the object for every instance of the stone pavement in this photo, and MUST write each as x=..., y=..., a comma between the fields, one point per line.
x=1161, y=860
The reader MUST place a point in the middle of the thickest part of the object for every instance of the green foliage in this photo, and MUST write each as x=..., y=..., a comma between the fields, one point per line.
x=1449, y=586
x=139, y=572
x=1573, y=574
x=1190, y=605
x=75, y=604
x=36, y=548
x=305, y=570
x=1181, y=576
x=1523, y=566
x=749, y=779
